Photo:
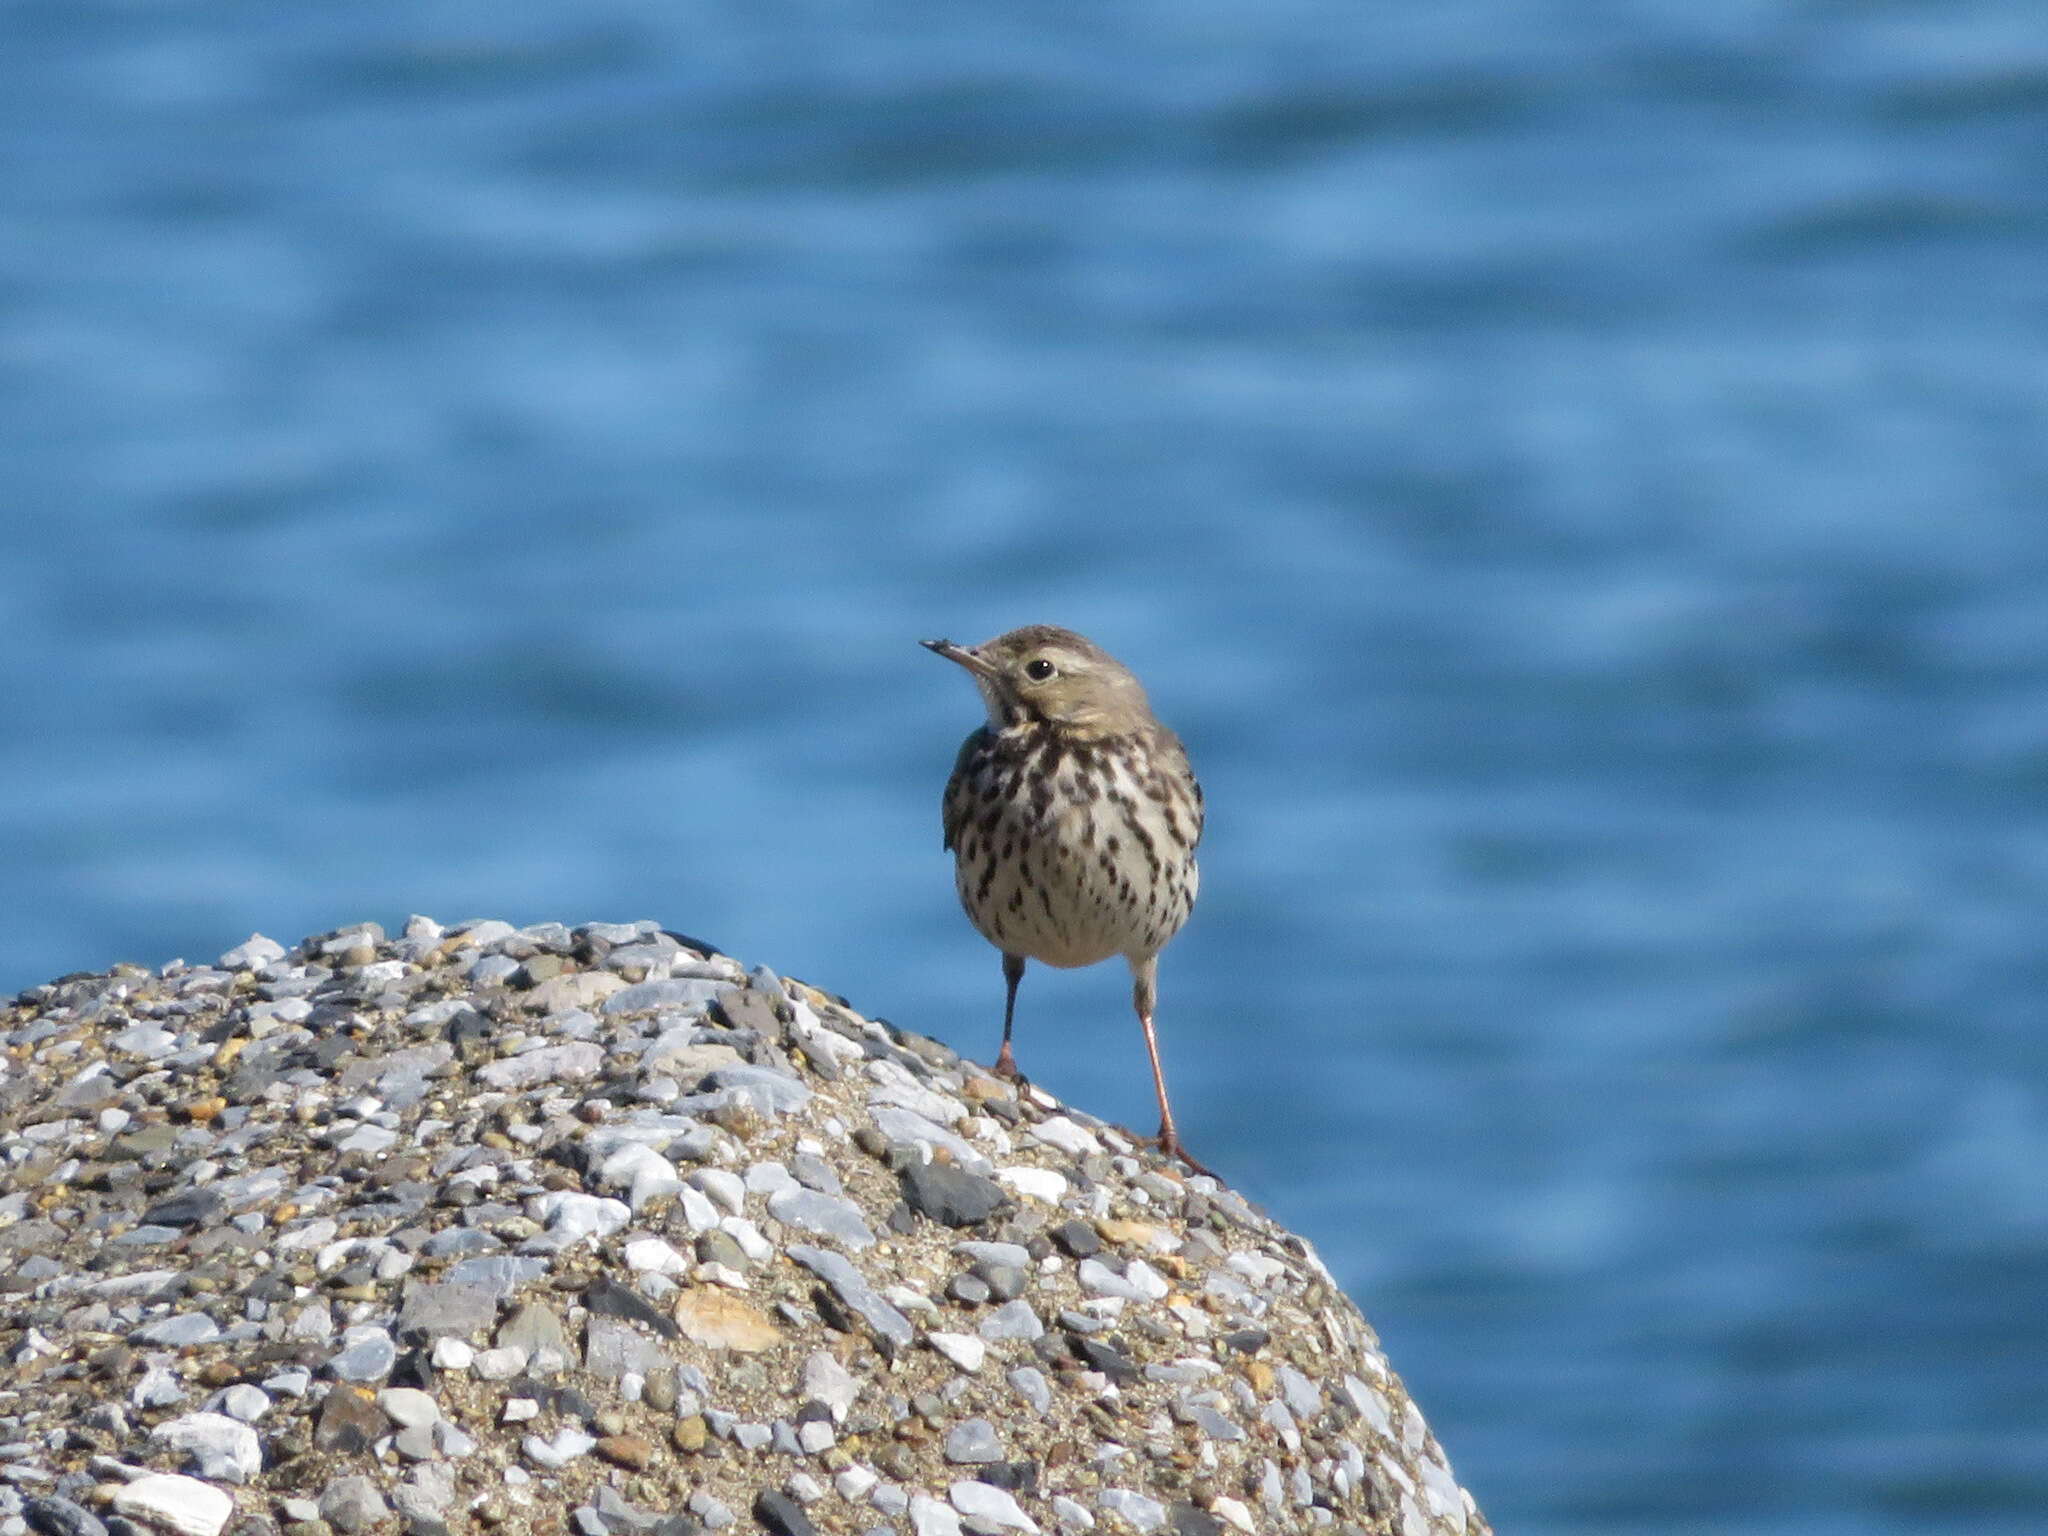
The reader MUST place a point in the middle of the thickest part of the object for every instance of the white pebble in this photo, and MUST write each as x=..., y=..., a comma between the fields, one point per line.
x=963, y=1349
x=980, y=1501
x=181, y=1504
x=1035, y=1183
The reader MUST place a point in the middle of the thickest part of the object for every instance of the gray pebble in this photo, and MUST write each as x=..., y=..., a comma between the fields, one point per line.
x=1012, y=1320
x=572, y=1062
x=816, y=1437
x=1143, y=1515
x=498, y=1275
x=352, y=1504
x=1098, y=1279
x=912, y=1129
x=433, y=1311
x=769, y=1178
x=764, y=1088
x=972, y=1442
x=814, y=1172
x=826, y=1215
x=408, y=1406
x=716, y=1516
x=826, y=1381
x=1212, y=1423
x=537, y=1332
x=1030, y=1384
x=54, y=1516
x=1009, y=1255
x=685, y=994
x=367, y=1354
x=849, y=1286
x=159, y=1387
x=1302, y=1395
x=1005, y=1282
x=951, y=1196
x=178, y=1331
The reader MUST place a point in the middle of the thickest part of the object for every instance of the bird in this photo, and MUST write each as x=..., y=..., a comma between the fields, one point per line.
x=1072, y=816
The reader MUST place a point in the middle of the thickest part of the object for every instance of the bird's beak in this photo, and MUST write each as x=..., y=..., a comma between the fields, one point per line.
x=966, y=657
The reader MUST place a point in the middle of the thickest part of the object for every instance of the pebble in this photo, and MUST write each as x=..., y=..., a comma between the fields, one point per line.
x=973, y=1441
x=55, y=1516
x=353, y=1504
x=992, y=1506
x=182, y=1505
x=1074, y=1516
x=219, y=1448
x=718, y=1320
x=825, y=1215
x=853, y=1290
x=1048, y=1186
x=826, y=1381
x=1030, y=1384
x=1140, y=1513
x=963, y=1349
x=914, y=1130
x=951, y=1196
x=558, y=1450
x=245, y=1402
x=440, y=1231
x=367, y=1354
x=408, y=1407
x=779, y=1514
x=1012, y=1320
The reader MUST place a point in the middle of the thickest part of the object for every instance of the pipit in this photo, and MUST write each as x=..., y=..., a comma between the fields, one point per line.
x=1072, y=817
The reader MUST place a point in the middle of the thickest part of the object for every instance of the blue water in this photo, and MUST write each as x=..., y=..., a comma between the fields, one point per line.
x=1577, y=477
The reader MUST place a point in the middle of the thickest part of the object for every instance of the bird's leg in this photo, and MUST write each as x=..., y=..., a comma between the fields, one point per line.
x=1144, y=989
x=1013, y=972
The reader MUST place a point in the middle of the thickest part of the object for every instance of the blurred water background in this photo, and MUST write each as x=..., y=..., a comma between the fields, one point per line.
x=1576, y=475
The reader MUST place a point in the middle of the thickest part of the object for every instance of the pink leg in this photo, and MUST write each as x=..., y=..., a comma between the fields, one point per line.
x=1145, y=975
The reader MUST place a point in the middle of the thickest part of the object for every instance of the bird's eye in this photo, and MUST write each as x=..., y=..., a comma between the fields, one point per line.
x=1038, y=669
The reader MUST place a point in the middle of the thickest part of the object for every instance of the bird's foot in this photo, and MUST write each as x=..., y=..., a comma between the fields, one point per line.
x=1006, y=1066
x=1168, y=1143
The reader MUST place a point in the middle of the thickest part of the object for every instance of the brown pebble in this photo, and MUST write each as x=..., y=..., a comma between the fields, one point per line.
x=633, y=1452
x=200, y=1111
x=689, y=1433
x=737, y=1119
x=660, y=1391
x=871, y=1141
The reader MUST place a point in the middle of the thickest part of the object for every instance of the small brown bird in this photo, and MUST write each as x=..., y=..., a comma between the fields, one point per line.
x=1072, y=817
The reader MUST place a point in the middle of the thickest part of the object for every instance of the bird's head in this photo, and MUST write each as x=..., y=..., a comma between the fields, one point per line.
x=1053, y=675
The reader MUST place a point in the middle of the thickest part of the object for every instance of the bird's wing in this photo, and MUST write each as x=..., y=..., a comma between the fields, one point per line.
x=959, y=802
x=1174, y=758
